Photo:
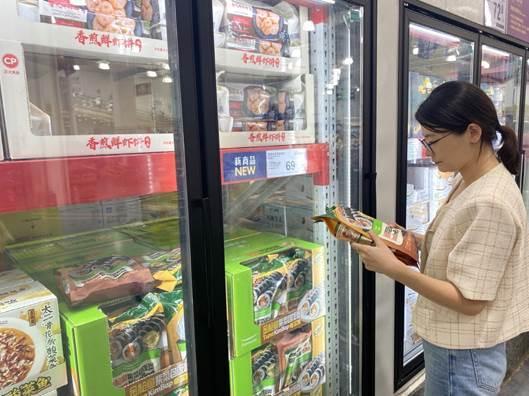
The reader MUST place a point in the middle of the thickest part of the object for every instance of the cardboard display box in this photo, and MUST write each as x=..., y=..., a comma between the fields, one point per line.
x=32, y=357
x=274, y=285
x=290, y=364
x=119, y=365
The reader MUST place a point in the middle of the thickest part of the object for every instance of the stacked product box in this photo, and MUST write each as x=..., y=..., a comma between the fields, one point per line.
x=276, y=309
x=32, y=358
x=122, y=295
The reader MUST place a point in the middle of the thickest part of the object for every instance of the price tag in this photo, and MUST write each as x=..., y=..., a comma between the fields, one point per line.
x=291, y=162
x=495, y=12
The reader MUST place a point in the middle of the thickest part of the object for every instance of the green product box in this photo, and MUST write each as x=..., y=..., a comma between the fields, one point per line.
x=90, y=348
x=274, y=284
x=292, y=363
x=103, y=358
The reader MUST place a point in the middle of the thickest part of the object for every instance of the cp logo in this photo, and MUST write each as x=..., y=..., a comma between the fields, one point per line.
x=10, y=61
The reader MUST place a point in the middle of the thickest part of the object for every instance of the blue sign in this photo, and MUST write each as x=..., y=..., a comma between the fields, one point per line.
x=244, y=166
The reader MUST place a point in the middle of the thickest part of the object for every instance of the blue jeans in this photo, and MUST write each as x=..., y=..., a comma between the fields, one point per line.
x=464, y=372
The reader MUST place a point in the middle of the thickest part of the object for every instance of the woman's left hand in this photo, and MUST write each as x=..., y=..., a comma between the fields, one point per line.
x=378, y=258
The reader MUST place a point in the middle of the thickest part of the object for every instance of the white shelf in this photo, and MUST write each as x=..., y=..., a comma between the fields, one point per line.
x=243, y=62
x=261, y=139
x=58, y=39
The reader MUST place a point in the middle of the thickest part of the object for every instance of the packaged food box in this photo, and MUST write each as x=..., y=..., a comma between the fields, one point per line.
x=274, y=284
x=252, y=27
x=353, y=226
x=140, y=339
x=292, y=363
x=125, y=363
x=32, y=358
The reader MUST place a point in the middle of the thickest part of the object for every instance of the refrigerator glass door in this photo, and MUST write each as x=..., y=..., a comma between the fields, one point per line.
x=104, y=223
x=434, y=57
x=290, y=104
x=501, y=79
x=525, y=143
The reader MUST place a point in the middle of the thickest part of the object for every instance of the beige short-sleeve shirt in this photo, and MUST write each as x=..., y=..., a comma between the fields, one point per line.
x=478, y=242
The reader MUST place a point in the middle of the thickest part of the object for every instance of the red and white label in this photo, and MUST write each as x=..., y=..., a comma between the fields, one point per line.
x=10, y=61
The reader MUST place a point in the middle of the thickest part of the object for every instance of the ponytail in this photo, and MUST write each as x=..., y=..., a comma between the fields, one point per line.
x=508, y=153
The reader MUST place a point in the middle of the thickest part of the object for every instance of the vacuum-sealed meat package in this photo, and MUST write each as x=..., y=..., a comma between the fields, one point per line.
x=104, y=279
x=353, y=226
x=257, y=27
x=252, y=102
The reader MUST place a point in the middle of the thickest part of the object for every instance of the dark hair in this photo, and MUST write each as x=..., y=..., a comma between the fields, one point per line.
x=455, y=104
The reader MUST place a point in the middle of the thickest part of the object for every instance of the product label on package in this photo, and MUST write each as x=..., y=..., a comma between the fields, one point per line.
x=169, y=379
x=280, y=325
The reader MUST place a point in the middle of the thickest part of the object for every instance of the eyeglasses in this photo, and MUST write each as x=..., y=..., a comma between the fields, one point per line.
x=428, y=145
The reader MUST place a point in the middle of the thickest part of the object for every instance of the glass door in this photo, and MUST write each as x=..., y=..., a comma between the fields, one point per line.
x=435, y=53
x=290, y=103
x=501, y=78
x=525, y=140
x=94, y=229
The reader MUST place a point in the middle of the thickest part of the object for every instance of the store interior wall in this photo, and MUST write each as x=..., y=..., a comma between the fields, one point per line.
x=473, y=10
x=386, y=138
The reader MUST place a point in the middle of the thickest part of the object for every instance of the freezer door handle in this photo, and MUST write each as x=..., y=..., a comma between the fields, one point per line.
x=522, y=171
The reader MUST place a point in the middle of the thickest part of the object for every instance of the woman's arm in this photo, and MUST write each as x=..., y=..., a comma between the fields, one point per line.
x=381, y=259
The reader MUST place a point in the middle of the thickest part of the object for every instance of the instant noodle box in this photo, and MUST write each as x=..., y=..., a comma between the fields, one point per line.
x=274, y=284
x=292, y=363
x=32, y=360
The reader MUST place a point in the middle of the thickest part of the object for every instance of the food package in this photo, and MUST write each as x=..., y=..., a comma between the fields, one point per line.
x=147, y=338
x=353, y=226
x=112, y=16
x=264, y=370
x=218, y=15
x=148, y=18
x=104, y=279
x=269, y=288
x=290, y=363
x=165, y=267
x=259, y=28
x=63, y=12
x=223, y=109
x=31, y=355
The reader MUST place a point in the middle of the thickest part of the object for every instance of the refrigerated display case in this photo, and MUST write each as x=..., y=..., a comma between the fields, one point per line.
x=95, y=224
x=291, y=83
x=501, y=78
x=434, y=53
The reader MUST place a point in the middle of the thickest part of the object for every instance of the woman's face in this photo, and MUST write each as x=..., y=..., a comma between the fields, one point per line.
x=452, y=151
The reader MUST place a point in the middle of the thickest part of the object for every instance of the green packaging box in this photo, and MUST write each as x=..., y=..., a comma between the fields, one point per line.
x=87, y=346
x=274, y=284
x=292, y=363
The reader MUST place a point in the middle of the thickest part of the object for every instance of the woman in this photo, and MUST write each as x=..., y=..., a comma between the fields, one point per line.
x=474, y=279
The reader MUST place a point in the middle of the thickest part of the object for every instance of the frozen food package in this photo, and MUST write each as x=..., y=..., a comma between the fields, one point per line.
x=165, y=267
x=270, y=278
x=62, y=12
x=104, y=279
x=112, y=16
x=294, y=351
x=264, y=370
x=138, y=341
x=290, y=100
x=252, y=102
x=147, y=337
x=148, y=18
x=258, y=27
x=353, y=226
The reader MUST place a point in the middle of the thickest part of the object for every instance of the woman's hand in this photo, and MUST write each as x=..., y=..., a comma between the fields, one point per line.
x=378, y=258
